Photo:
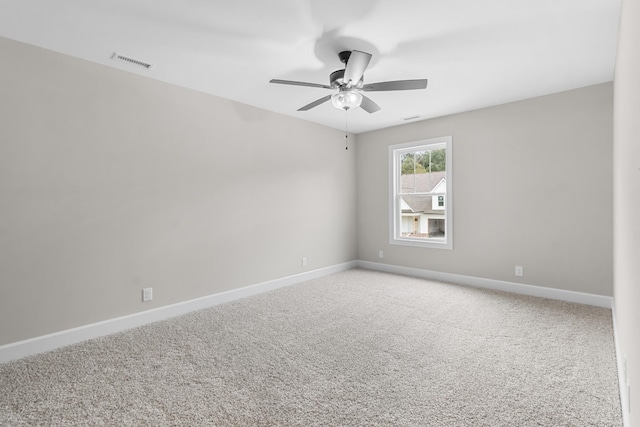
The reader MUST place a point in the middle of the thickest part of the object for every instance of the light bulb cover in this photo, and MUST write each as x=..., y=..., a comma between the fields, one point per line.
x=346, y=99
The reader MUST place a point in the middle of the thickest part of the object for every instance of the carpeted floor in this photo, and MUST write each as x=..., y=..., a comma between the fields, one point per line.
x=358, y=348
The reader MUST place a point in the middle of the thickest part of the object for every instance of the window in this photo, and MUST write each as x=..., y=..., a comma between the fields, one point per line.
x=420, y=193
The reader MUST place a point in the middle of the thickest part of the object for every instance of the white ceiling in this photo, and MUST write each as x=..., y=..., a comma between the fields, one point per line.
x=475, y=53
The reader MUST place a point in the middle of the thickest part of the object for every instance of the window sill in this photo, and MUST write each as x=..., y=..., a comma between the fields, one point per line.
x=430, y=244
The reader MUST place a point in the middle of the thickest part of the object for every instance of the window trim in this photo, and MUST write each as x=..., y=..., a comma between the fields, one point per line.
x=395, y=152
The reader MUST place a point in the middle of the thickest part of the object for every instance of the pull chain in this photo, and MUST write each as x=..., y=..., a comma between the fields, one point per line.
x=346, y=130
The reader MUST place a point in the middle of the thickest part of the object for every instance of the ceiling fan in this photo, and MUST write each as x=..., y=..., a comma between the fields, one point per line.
x=349, y=84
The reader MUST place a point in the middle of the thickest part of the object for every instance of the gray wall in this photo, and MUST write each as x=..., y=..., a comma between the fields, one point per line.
x=627, y=198
x=111, y=182
x=532, y=186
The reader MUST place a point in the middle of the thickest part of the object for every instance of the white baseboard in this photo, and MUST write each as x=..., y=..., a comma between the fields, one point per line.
x=55, y=340
x=622, y=380
x=478, y=282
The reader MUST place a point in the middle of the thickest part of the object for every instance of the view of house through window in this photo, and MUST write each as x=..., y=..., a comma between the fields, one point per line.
x=420, y=211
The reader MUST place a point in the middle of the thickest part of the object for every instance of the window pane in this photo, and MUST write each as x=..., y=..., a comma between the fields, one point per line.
x=437, y=160
x=421, y=217
x=422, y=170
x=421, y=161
x=413, y=163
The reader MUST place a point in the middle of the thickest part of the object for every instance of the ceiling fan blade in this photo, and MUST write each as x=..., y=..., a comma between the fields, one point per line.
x=315, y=103
x=294, y=83
x=396, y=85
x=356, y=65
x=368, y=105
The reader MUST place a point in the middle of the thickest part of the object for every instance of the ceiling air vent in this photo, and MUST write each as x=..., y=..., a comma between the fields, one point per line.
x=118, y=57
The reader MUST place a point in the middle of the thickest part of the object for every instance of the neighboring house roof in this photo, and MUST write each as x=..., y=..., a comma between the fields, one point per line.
x=420, y=204
x=420, y=183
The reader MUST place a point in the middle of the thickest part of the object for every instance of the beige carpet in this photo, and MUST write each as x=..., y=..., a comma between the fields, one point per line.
x=357, y=348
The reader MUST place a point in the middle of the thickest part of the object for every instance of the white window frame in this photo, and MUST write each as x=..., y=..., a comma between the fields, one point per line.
x=395, y=155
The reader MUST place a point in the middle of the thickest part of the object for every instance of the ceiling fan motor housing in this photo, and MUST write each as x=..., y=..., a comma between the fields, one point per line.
x=336, y=80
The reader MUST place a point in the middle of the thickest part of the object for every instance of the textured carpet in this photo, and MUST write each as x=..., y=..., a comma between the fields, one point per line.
x=357, y=348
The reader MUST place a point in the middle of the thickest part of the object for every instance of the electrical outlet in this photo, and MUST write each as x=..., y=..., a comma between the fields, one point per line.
x=147, y=294
x=304, y=261
x=519, y=270
x=380, y=254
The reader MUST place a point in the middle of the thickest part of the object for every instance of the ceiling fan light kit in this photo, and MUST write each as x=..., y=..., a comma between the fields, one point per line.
x=349, y=83
x=346, y=99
